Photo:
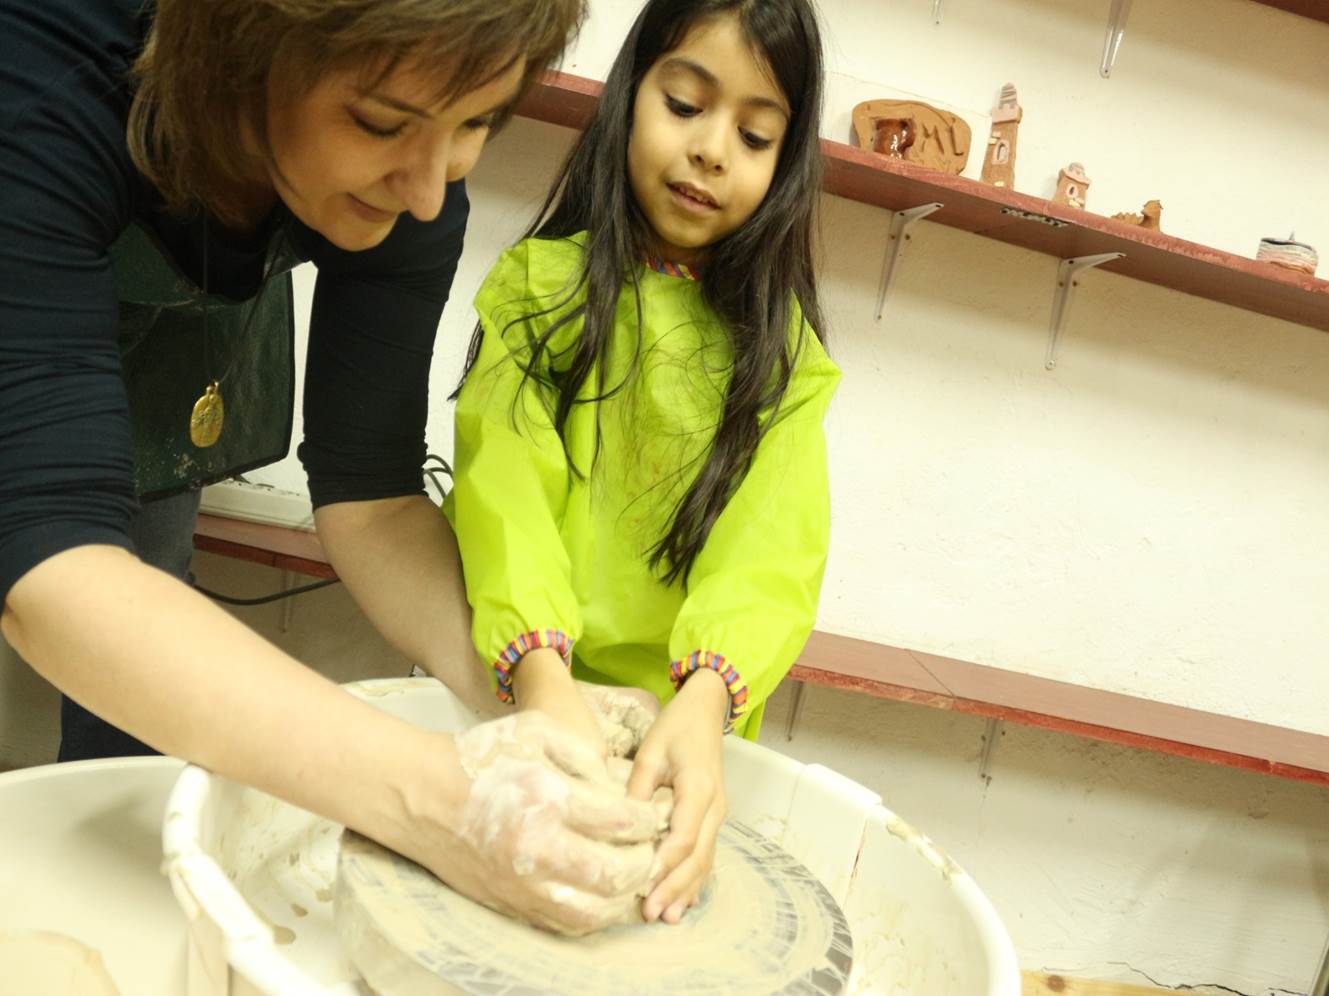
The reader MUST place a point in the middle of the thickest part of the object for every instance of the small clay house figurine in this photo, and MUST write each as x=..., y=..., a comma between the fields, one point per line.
x=999, y=163
x=1289, y=253
x=915, y=132
x=1150, y=217
x=1072, y=186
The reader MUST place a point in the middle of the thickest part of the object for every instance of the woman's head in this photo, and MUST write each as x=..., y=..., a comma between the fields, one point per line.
x=353, y=154
x=351, y=111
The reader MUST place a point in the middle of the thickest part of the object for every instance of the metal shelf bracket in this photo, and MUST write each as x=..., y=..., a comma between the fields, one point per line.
x=288, y=604
x=1061, y=300
x=900, y=222
x=1119, y=13
x=795, y=709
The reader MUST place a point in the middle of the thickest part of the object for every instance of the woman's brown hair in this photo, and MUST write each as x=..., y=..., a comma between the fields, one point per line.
x=204, y=74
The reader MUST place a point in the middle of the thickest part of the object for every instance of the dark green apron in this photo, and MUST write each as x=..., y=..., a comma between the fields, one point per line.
x=165, y=365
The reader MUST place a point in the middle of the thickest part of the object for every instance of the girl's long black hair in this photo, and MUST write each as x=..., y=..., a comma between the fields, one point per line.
x=752, y=277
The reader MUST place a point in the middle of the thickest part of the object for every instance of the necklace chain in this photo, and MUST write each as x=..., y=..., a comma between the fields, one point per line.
x=209, y=413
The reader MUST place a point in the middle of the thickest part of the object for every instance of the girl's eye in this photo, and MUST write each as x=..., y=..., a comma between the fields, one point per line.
x=375, y=130
x=678, y=107
x=480, y=124
x=755, y=141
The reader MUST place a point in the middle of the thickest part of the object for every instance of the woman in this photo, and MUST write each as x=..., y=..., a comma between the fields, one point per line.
x=160, y=171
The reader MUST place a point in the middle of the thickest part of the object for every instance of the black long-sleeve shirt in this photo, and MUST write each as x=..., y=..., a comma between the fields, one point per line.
x=68, y=188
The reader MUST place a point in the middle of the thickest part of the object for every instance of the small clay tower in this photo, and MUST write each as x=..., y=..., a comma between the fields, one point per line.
x=1072, y=186
x=999, y=163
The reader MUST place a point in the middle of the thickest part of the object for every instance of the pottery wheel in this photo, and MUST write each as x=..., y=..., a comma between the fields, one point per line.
x=764, y=924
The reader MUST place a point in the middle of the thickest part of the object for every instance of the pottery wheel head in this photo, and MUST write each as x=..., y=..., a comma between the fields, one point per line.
x=764, y=925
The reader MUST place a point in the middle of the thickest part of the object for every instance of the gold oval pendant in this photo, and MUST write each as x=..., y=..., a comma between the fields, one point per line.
x=205, y=423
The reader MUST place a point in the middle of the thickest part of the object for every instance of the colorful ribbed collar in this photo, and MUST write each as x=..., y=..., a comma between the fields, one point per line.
x=673, y=269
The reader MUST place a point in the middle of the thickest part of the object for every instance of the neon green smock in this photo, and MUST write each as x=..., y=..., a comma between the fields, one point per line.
x=556, y=559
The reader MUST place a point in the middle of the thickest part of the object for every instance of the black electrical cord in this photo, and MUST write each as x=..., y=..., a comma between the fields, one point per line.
x=432, y=473
x=265, y=599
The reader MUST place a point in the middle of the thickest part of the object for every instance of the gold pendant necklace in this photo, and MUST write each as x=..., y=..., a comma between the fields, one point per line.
x=205, y=422
x=209, y=415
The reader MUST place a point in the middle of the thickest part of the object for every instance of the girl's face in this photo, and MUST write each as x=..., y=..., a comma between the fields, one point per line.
x=349, y=162
x=707, y=127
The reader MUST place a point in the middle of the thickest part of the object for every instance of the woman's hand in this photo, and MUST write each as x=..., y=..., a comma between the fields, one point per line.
x=541, y=681
x=684, y=749
x=535, y=829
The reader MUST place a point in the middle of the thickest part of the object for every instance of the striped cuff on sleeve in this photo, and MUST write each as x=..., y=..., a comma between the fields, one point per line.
x=554, y=639
x=738, y=690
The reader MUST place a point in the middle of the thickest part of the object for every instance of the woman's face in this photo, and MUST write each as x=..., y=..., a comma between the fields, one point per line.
x=707, y=127
x=348, y=162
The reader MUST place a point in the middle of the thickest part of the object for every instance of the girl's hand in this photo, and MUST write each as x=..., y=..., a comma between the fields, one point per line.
x=684, y=749
x=625, y=715
x=534, y=828
x=541, y=681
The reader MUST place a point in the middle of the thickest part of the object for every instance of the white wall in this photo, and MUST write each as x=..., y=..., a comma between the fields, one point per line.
x=1149, y=518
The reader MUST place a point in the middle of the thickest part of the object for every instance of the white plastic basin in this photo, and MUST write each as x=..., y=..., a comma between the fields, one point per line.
x=81, y=860
x=255, y=875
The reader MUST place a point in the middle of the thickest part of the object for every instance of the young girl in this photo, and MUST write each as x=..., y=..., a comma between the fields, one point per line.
x=641, y=467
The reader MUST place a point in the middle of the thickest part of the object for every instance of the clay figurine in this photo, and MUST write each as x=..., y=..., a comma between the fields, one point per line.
x=1151, y=216
x=915, y=132
x=1072, y=186
x=1289, y=253
x=999, y=163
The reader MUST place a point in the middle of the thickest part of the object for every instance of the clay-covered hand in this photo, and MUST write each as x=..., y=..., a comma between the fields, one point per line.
x=542, y=832
x=625, y=715
x=541, y=682
x=684, y=749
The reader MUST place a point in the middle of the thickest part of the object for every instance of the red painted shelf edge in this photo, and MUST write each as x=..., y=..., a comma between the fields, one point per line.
x=260, y=555
x=1315, y=10
x=1025, y=717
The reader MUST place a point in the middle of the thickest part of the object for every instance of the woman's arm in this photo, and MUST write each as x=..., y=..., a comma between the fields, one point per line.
x=158, y=660
x=153, y=657
x=398, y=557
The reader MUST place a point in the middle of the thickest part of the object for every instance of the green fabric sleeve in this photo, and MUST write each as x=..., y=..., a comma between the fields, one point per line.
x=510, y=492
x=752, y=597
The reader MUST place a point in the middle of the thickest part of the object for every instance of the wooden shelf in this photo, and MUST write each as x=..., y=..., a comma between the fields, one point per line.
x=1316, y=10
x=282, y=547
x=925, y=679
x=1004, y=215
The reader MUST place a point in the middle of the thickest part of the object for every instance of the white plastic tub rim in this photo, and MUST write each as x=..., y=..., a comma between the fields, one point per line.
x=763, y=794
x=993, y=938
x=210, y=900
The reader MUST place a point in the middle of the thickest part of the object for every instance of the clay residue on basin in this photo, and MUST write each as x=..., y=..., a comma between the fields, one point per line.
x=925, y=848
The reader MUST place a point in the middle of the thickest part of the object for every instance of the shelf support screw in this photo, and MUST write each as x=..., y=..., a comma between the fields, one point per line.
x=1061, y=299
